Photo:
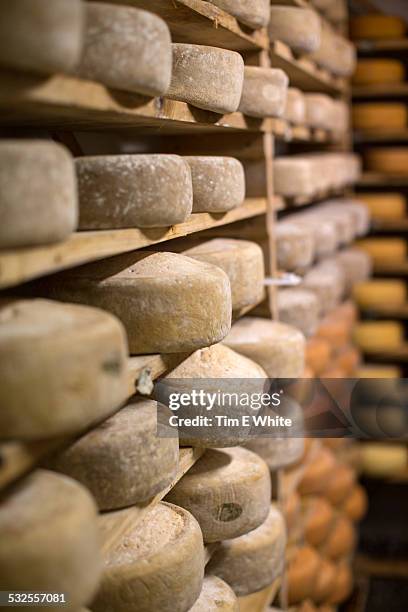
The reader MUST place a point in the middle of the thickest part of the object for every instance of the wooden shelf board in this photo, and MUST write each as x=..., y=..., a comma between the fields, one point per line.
x=387, y=44
x=392, y=312
x=381, y=90
x=20, y=265
x=381, y=567
x=390, y=355
x=375, y=179
x=291, y=204
x=397, y=268
x=397, y=225
x=367, y=136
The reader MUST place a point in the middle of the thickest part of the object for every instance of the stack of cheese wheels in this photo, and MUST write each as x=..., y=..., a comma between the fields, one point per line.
x=378, y=71
x=295, y=246
x=209, y=78
x=335, y=53
x=299, y=28
x=384, y=206
x=228, y=491
x=380, y=116
x=49, y=539
x=385, y=250
x=76, y=377
x=373, y=336
x=389, y=160
x=388, y=293
x=382, y=459
x=158, y=561
x=216, y=595
x=254, y=14
x=319, y=111
x=218, y=183
x=299, y=308
x=377, y=26
x=44, y=37
x=252, y=561
x=295, y=108
x=138, y=287
x=114, y=35
x=264, y=92
x=38, y=193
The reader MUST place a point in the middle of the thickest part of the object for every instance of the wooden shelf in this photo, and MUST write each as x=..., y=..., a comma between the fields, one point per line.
x=391, y=269
x=20, y=265
x=375, y=179
x=368, y=136
x=397, y=225
x=392, y=312
x=390, y=355
x=382, y=90
x=389, y=44
x=381, y=567
x=291, y=204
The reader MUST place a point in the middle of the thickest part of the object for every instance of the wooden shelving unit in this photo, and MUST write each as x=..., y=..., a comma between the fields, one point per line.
x=375, y=179
x=380, y=136
x=382, y=46
x=388, y=90
x=397, y=225
x=393, y=269
x=399, y=355
x=392, y=312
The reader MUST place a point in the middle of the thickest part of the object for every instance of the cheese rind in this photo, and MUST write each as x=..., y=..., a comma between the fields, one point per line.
x=389, y=160
x=319, y=111
x=318, y=517
x=318, y=353
x=377, y=26
x=385, y=116
x=356, y=265
x=372, y=336
x=295, y=108
x=302, y=573
x=38, y=193
x=335, y=53
x=381, y=459
x=327, y=281
x=216, y=596
x=385, y=250
x=343, y=584
x=379, y=292
x=340, y=540
x=325, y=581
x=342, y=481
x=295, y=246
x=384, y=206
x=317, y=473
x=76, y=376
x=372, y=71
x=299, y=308
x=299, y=28
x=120, y=191
x=254, y=14
x=264, y=92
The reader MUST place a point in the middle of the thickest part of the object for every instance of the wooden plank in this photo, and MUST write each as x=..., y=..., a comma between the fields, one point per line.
x=20, y=265
x=375, y=179
x=381, y=567
x=258, y=602
x=380, y=135
x=390, y=355
x=393, y=269
x=393, y=312
x=388, y=44
x=386, y=90
x=390, y=225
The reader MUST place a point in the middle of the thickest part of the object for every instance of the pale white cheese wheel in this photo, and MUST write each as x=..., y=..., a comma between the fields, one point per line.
x=119, y=191
x=357, y=212
x=356, y=265
x=294, y=246
x=278, y=348
x=295, y=109
x=167, y=302
x=299, y=308
x=228, y=491
x=126, y=48
x=253, y=13
x=299, y=28
x=157, y=564
x=76, y=376
x=264, y=92
x=49, y=540
x=40, y=36
x=216, y=596
x=324, y=231
x=252, y=561
x=218, y=183
x=335, y=53
x=207, y=77
x=242, y=261
x=293, y=177
x=319, y=111
x=127, y=459
x=38, y=193
x=327, y=281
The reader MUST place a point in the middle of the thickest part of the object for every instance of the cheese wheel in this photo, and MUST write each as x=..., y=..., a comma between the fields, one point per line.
x=318, y=517
x=293, y=177
x=317, y=473
x=114, y=36
x=335, y=53
x=390, y=160
x=38, y=199
x=357, y=210
x=377, y=26
x=294, y=246
x=378, y=371
x=218, y=183
x=123, y=461
x=336, y=330
x=318, y=354
x=341, y=116
x=380, y=116
x=228, y=491
x=242, y=261
x=356, y=265
x=327, y=282
x=264, y=92
x=348, y=359
x=120, y=191
x=341, y=539
x=384, y=206
x=302, y=573
x=325, y=581
x=207, y=77
x=392, y=293
x=254, y=14
x=42, y=37
x=356, y=503
x=348, y=312
x=381, y=460
x=252, y=561
x=295, y=108
x=343, y=584
x=49, y=539
x=340, y=484
x=278, y=348
x=376, y=71
x=158, y=562
x=139, y=287
x=299, y=308
x=378, y=335
x=324, y=232
x=319, y=111
x=341, y=216
x=299, y=28
x=385, y=250
x=76, y=376
x=216, y=596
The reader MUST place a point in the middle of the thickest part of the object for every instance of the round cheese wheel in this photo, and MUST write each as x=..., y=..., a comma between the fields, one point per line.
x=264, y=92
x=293, y=177
x=252, y=561
x=378, y=335
x=218, y=183
x=343, y=218
x=216, y=596
x=124, y=461
x=318, y=354
x=389, y=160
x=347, y=311
x=343, y=585
x=228, y=491
x=302, y=573
x=380, y=293
x=49, y=539
x=327, y=281
x=42, y=37
x=324, y=232
x=299, y=308
x=278, y=348
x=358, y=211
x=139, y=287
x=38, y=193
x=242, y=261
x=377, y=26
x=120, y=191
x=325, y=581
x=254, y=14
x=380, y=116
x=318, y=517
x=382, y=459
x=157, y=564
x=319, y=111
x=356, y=265
x=348, y=359
x=114, y=36
x=76, y=376
x=385, y=250
x=336, y=330
x=378, y=371
x=294, y=246
x=335, y=53
x=356, y=503
x=341, y=116
x=384, y=206
x=295, y=108
x=342, y=480
x=341, y=539
x=317, y=473
x=299, y=28
x=376, y=71
x=207, y=77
